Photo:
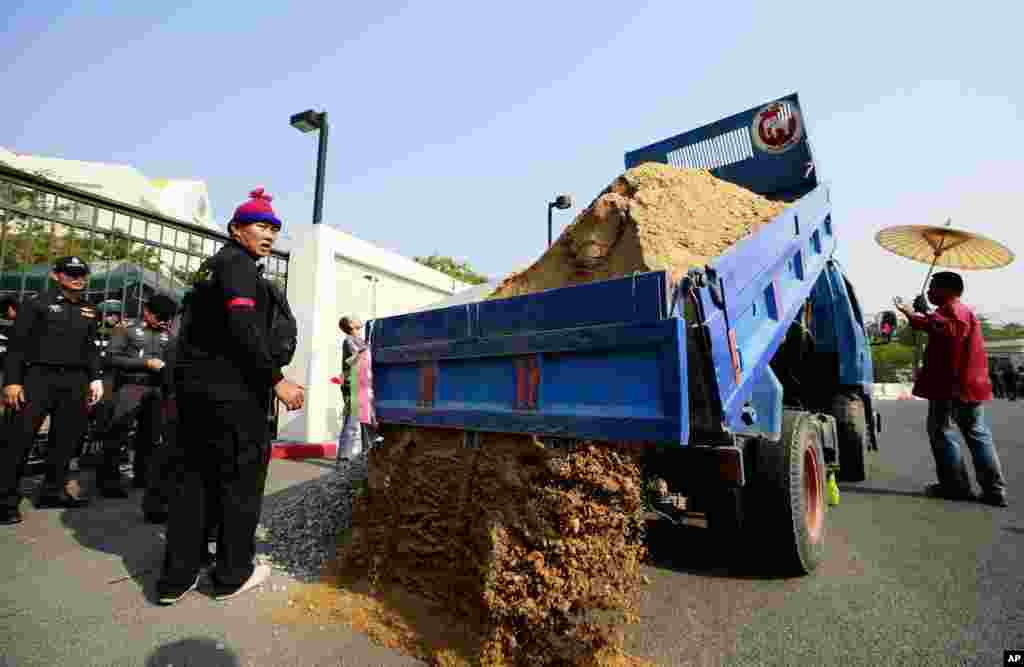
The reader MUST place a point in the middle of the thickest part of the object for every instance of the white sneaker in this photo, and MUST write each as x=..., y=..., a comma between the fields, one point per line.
x=171, y=598
x=259, y=576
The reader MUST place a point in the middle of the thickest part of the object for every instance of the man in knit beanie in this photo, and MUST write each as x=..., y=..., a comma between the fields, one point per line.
x=225, y=373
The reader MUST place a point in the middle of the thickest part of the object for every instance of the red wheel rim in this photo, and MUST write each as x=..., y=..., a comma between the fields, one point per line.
x=814, y=510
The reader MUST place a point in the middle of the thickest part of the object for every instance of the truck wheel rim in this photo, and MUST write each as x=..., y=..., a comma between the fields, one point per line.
x=813, y=501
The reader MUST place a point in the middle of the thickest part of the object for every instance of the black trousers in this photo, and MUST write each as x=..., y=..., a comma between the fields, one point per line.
x=225, y=447
x=61, y=393
x=132, y=403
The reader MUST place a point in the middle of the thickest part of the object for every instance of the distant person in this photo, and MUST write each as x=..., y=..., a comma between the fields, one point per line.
x=9, y=308
x=358, y=432
x=997, y=383
x=955, y=380
x=139, y=356
x=1010, y=381
x=8, y=311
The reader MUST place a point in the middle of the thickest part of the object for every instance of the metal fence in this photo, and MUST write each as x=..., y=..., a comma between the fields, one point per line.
x=132, y=252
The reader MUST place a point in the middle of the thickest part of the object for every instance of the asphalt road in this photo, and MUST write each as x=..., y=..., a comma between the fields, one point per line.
x=907, y=580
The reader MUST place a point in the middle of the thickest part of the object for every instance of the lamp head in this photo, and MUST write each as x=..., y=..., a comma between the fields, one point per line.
x=562, y=202
x=307, y=121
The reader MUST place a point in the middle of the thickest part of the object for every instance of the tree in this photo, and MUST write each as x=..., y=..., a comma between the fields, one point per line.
x=32, y=243
x=447, y=265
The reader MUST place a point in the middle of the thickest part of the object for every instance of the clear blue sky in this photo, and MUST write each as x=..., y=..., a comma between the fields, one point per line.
x=453, y=124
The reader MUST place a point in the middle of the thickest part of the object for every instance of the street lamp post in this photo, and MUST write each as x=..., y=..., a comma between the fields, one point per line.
x=373, y=280
x=304, y=122
x=561, y=202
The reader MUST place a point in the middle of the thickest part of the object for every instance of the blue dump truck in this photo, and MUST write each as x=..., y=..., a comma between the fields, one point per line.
x=746, y=383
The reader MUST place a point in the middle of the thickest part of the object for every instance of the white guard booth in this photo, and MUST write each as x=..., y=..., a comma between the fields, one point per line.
x=332, y=274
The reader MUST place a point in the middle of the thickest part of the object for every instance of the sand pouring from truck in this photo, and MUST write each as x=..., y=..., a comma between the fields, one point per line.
x=691, y=324
x=747, y=377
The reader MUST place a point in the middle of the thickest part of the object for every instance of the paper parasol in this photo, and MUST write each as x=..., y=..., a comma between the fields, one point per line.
x=945, y=247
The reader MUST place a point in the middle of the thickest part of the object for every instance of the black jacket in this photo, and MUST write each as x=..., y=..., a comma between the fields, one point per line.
x=223, y=346
x=129, y=349
x=53, y=331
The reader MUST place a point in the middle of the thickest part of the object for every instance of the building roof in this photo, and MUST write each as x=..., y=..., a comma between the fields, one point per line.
x=186, y=200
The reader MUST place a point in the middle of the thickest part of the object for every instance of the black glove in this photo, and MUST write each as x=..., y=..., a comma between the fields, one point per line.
x=920, y=304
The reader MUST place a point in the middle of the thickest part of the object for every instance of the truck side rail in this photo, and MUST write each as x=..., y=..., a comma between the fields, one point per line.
x=601, y=361
x=748, y=297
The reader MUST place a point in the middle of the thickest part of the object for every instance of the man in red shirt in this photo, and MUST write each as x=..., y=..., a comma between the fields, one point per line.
x=955, y=381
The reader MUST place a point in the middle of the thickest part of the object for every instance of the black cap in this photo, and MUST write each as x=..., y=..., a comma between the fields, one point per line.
x=73, y=263
x=949, y=280
x=163, y=306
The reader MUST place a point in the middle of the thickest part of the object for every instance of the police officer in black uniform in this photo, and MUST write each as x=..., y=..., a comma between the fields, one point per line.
x=8, y=313
x=139, y=357
x=225, y=373
x=53, y=367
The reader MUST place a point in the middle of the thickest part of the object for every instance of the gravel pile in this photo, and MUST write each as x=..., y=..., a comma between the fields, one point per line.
x=298, y=532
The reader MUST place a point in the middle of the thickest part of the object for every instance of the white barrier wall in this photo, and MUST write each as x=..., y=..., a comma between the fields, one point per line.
x=327, y=280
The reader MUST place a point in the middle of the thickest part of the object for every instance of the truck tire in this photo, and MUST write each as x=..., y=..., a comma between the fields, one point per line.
x=854, y=437
x=786, y=502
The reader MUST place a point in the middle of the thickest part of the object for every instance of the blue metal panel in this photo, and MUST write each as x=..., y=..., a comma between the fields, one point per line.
x=726, y=148
x=762, y=281
x=766, y=400
x=638, y=298
x=609, y=382
x=603, y=337
x=855, y=364
x=823, y=317
x=433, y=325
x=837, y=330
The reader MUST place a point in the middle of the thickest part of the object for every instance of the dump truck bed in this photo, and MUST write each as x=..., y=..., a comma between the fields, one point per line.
x=608, y=360
x=617, y=360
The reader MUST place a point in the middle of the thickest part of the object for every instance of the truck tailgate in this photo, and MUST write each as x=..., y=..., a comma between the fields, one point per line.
x=600, y=361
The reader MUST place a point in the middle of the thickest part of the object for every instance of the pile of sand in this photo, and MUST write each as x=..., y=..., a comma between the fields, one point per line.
x=539, y=549
x=652, y=218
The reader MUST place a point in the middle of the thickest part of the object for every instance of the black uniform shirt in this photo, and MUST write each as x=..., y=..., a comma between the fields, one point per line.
x=52, y=330
x=223, y=348
x=129, y=349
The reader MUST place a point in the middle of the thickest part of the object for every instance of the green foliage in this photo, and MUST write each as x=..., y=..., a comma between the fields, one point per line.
x=29, y=242
x=459, y=271
x=892, y=361
x=1008, y=331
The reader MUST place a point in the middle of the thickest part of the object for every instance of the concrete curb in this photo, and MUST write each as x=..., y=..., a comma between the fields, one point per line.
x=282, y=449
x=893, y=391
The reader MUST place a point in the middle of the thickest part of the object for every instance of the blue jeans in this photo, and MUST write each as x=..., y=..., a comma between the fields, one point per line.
x=943, y=418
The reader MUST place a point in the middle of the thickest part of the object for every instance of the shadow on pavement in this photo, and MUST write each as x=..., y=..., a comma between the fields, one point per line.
x=193, y=651
x=692, y=550
x=880, y=492
x=115, y=526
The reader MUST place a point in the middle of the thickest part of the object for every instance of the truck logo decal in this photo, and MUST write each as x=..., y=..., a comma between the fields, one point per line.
x=777, y=127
